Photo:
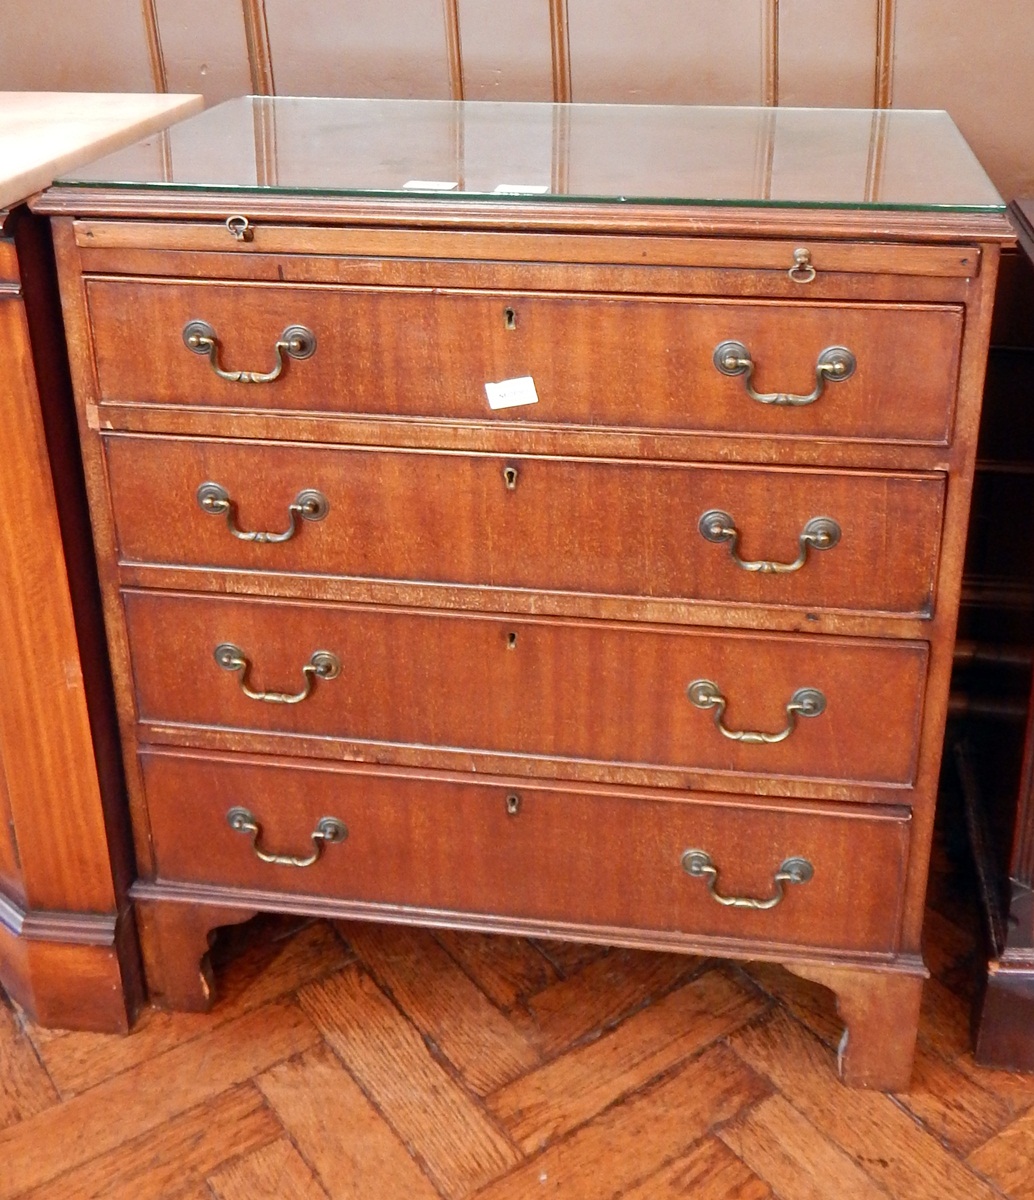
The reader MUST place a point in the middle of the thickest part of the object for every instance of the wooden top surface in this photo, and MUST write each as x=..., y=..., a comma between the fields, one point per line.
x=45, y=133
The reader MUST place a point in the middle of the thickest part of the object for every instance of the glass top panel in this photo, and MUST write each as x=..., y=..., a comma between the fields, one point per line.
x=478, y=150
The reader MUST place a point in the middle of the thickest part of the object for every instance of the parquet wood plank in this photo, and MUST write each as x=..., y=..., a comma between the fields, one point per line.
x=633, y=1140
x=601, y=994
x=459, y=1147
x=353, y=1151
x=872, y=1128
x=507, y=969
x=710, y=1171
x=263, y=972
x=178, y=1155
x=411, y=966
x=945, y=945
x=570, y=957
x=571, y=1089
x=811, y=1003
x=101, y=1119
x=1008, y=1159
x=951, y=1105
x=945, y=1026
x=25, y=1087
x=273, y=1172
x=782, y=1147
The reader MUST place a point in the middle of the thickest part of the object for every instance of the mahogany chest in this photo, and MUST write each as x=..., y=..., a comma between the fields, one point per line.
x=537, y=519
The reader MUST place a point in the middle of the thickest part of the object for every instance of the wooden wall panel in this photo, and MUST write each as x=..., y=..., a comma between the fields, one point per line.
x=204, y=48
x=506, y=50
x=977, y=61
x=360, y=48
x=91, y=45
x=827, y=53
x=671, y=52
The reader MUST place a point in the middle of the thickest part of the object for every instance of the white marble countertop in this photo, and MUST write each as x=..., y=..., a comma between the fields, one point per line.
x=45, y=133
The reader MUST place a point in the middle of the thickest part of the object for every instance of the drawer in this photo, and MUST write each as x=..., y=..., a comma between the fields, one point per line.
x=610, y=859
x=594, y=691
x=595, y=360
x=548, y=524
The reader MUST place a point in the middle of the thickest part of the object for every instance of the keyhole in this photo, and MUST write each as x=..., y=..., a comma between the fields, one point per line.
x=513, y=804
x=510, y=478
x=510, y=318
x=511, y=641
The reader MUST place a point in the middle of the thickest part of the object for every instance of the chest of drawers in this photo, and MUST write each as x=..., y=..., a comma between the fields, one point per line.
x=582, y=563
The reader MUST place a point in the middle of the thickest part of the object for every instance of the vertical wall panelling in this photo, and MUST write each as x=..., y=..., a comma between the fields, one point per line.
x=977, y=61
x=560, y=50
x=256, y=34
x=359, y=48
x=671, y=52
x=505, y=49
x=203, y=48
x=154, y=44
x=828, y=52
x=884, y=54
x=770, y=52
x=91, y=46
x=451, y=13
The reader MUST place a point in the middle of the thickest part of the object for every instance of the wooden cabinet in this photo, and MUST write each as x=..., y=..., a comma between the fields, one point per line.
x=582, y=562
x=1003, y=842
x=67, y=946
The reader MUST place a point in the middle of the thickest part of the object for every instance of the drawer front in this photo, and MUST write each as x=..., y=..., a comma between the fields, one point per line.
x=595, y=360
x=609, y=859
x=561, y=525
x=593, y=691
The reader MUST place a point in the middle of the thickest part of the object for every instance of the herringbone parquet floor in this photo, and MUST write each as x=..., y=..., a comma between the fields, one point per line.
x=349, y=1061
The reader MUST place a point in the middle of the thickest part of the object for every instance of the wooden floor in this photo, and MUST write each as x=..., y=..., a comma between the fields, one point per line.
x=375, y=1062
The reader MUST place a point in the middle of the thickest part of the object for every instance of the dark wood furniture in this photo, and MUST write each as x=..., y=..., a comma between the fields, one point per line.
x=1004, y=844
x=463, y=564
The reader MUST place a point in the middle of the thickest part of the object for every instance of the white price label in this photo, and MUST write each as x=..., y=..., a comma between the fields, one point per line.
x=431, y=185
x=512, y=393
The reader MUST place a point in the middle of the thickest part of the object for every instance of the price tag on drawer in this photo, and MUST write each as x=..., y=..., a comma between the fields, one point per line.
x=512, y=393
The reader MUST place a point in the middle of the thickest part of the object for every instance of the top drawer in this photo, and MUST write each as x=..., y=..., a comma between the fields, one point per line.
x=595, y=360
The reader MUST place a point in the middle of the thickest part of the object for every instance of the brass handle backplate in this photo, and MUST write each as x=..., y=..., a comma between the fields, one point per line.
x=805, y=702
x=834, y=365
x=328, y=830
x=820, y=533
x=322, y=665
x=309, y=504
x=296, y=342
x=699, y=865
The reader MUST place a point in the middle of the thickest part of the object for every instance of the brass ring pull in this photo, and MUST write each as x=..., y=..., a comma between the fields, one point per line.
x=296, y=342
x=834, y=365
x=240, y=228
x=327, y=831
x=805, y=702
x=309, y=504
x=699, y=865
x=802, y=271
x=322, y=665
x=820, y=533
